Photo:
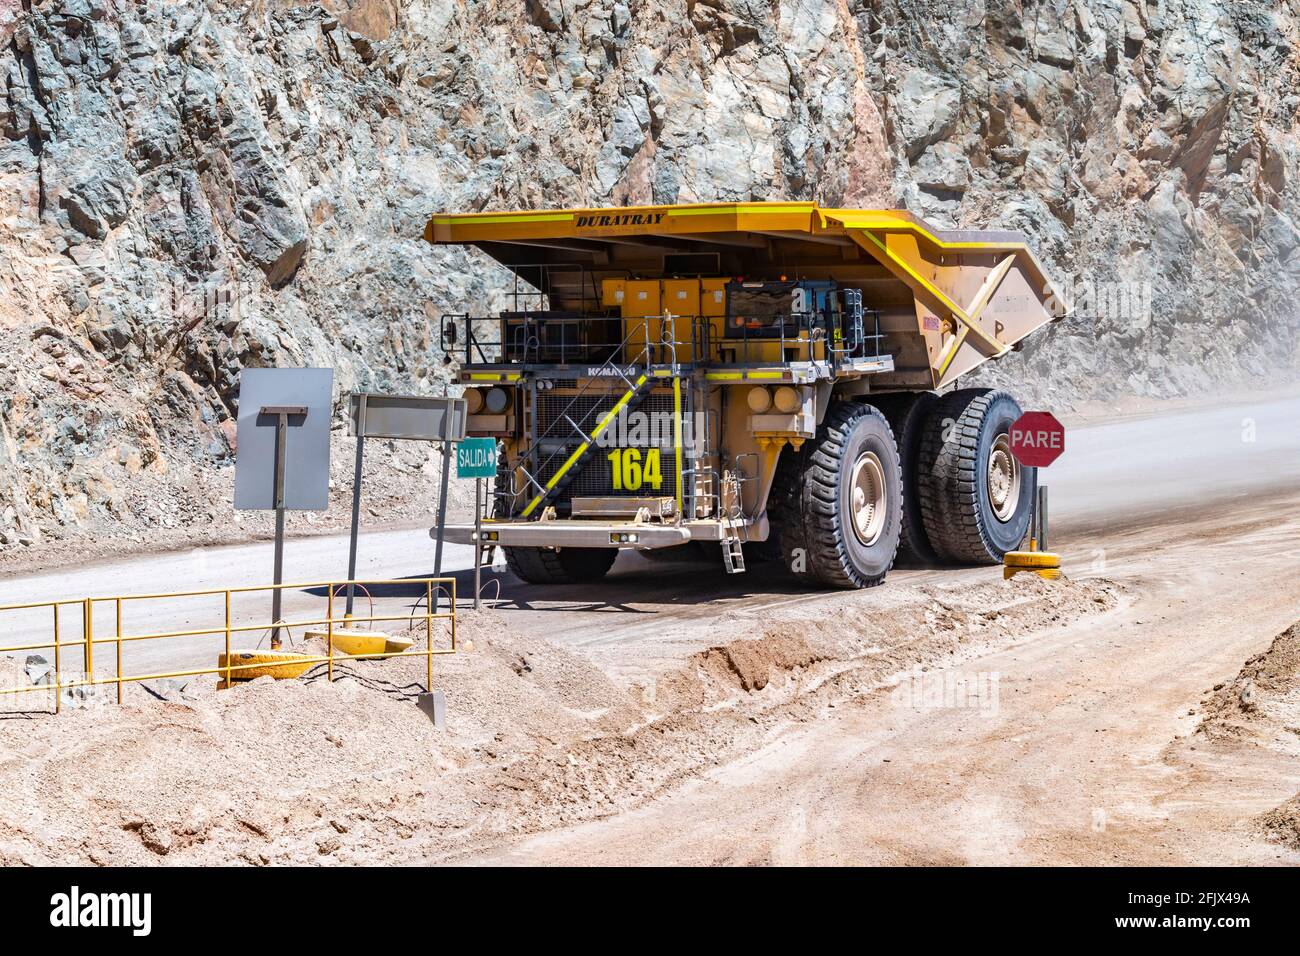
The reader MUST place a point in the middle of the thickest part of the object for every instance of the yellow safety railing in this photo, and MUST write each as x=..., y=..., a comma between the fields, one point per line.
x=229, y=671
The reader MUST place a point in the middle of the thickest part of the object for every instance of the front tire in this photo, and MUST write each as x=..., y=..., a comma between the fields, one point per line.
x=839, y=500
x=975, y=497
x=560, y=565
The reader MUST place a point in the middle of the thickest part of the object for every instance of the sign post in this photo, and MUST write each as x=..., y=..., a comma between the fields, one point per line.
x=281, y=413
x=407, y=417
x=477, y=458
x=442, y=506
x=356, y=511
x=297, y=403
x=1037, y=440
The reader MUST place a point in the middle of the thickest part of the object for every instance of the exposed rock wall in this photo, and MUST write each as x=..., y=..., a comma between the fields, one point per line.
x=190, y=188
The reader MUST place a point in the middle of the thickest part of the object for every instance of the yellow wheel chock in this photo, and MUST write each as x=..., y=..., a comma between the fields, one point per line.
x=1032, y=560
x=282, y=665
x=1046, y=564
x=364, y=643
x=1047, y=574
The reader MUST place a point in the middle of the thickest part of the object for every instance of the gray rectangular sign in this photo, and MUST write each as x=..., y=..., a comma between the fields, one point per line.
x=415, y=417
x=307, y=442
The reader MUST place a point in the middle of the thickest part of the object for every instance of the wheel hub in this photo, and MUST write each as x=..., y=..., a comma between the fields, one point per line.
x=867, y=498
x=1003, y=478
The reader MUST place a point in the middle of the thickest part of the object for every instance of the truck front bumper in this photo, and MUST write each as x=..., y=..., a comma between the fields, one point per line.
x=581, y=533
x=569, y=534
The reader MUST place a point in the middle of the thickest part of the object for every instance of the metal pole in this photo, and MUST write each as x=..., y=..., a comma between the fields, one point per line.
x=88, y=626
x=119, y=650
x=281, y=436
x=229, y=681
x=58, y=673
x=1033, y=515
x=677, y=436
x=442, y=494
x=478, y=540
x=329, y=634
x=356, y=514
x=1042, y=517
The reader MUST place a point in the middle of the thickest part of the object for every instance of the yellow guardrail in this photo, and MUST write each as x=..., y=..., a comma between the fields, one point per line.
x=86, y=643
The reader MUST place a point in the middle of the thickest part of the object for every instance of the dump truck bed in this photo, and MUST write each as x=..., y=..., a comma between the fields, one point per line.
x=947, y=300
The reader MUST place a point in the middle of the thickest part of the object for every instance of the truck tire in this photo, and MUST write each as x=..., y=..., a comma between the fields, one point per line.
x=839, y=500
x=560, y=566
x=907, y=413
x=975, y=496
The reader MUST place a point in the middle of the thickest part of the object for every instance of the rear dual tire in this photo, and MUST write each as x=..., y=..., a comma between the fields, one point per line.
x=909, y=414
x=974, y=496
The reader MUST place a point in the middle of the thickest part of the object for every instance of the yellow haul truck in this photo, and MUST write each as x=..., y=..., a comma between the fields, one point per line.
x=745, y=373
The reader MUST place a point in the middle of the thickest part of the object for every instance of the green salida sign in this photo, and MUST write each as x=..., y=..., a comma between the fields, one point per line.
x=476, y=458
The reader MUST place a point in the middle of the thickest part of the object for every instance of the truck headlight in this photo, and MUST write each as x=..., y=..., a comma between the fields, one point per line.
x=787, y=400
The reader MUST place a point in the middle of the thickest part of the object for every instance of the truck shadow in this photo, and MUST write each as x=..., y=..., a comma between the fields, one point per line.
x=635, y=585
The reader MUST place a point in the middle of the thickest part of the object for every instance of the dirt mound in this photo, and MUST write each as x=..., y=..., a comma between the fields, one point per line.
x=1265, y=693
x=289, y=771
x=753, y=663
x=1260, y=708
x=1282, y=823
x=537, y=737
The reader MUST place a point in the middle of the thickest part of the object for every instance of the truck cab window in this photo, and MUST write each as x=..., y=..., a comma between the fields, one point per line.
x=761, y=309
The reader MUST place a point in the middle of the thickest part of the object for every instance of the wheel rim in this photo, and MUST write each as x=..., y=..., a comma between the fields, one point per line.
x=867, y=498
x=1003, y=478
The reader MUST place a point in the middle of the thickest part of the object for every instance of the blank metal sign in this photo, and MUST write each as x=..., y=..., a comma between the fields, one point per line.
x=307, y=443
x=414, y=417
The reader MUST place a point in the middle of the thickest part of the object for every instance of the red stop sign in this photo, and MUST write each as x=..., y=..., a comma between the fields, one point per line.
x=1037, y=439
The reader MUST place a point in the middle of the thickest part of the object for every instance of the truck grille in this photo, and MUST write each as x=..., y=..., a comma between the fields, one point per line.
x=595, y=476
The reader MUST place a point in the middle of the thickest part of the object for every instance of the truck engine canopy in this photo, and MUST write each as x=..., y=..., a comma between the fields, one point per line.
x=947, y=300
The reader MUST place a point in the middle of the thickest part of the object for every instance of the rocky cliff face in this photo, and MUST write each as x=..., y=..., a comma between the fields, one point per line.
x=192, y=188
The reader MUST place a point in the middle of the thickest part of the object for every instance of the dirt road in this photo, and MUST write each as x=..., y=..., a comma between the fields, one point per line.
x=1086, y=758
x=1078, y=748
x=1080, y=761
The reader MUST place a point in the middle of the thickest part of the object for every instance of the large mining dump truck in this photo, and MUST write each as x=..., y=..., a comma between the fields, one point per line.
x=741, y=378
